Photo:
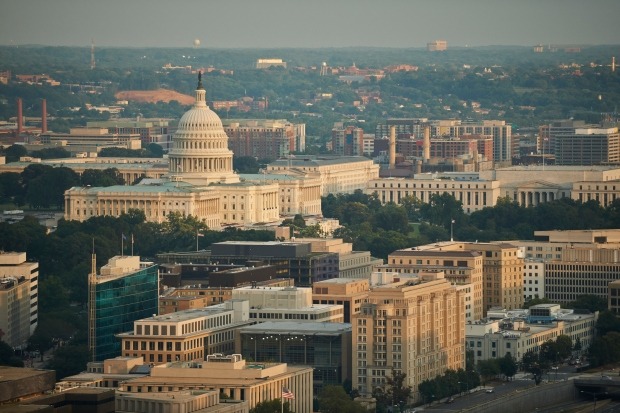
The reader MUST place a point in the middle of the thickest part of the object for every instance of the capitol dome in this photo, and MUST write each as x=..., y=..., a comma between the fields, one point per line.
x=199, y=152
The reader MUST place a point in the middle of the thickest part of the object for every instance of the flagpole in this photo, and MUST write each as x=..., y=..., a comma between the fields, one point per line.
x=132, y=244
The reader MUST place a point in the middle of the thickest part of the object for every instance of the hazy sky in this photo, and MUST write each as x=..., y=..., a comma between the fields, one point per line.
x=308, y=23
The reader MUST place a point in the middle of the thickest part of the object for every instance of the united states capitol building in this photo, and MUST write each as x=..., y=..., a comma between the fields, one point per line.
x=200, y=181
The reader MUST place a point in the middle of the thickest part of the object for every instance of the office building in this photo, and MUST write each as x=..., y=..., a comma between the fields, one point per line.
x=437, y=46
x=521, y=184
x=86, y=140
x=347, y=141
x=519, y=333
x=613, y=299
x=405, y=127
x=188, y=401
x=547, y=133
x=588, y=146
x=414, y=326
x=461, y=268
x=287, y=304
x=186, y=335
x=326, y=347
x=22, y=383
x=193, y=275
x=351, y=264
x=474, y=194
x=574, y=262
x=19, y=303
x=232, y=377
x=338, y=174
x=125, y=290
x=130, y=169
x=292, y=259
x=532, y=185
x=348, y=292
x=267, y=63
x=150, y=130
x=263, y=138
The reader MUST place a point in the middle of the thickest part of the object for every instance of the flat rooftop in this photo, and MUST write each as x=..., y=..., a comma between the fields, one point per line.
x=292, y=328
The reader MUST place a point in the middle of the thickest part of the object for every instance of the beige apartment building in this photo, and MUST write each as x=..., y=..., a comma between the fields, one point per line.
x=186, y=335
x=349, y=292
x=232, y=376
x=19, y=287
x=415, y=326
x=503, y=274
x=461, y=268
x=494, y=270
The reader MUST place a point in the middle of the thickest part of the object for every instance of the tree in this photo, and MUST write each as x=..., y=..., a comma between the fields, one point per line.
x=606, y=323
x=508, y=366
x=391, y=217
x=536, y=301
x=102, y=178
x=488, y=368
x=588, y=302
x=534, y=364
x=394, y=392
x=442, y=209
x=154, y=150
x=271, y=406
x=14, y=152
x=564, y=346
x=7, y=356
x=334, y=399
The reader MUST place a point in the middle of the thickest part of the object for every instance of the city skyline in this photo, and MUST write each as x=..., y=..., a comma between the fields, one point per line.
x=282, y=23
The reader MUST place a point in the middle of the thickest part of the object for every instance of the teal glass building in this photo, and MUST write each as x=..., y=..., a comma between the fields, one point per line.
x=125, y=291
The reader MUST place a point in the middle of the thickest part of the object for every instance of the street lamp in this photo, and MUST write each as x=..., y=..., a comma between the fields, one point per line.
x=452, y=230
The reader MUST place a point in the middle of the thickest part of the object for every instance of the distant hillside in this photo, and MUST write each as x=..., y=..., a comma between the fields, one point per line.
x=154, y=96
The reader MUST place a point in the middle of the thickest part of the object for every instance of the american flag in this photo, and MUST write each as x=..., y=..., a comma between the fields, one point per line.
x=287, y=394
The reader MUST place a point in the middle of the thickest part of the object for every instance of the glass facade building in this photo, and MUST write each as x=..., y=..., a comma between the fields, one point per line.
x=119, y=301
x=326, y=347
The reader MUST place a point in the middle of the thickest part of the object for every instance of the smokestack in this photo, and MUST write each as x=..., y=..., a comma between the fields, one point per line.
x=426, y=155
x=20, y=117
x=44, y=116
x=392, y=147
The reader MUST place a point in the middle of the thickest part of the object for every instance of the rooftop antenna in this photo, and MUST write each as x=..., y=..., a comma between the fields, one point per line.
x=92, y=54
x=92, y=305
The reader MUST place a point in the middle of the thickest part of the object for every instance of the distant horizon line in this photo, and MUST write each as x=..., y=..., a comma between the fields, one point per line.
x=89, y=45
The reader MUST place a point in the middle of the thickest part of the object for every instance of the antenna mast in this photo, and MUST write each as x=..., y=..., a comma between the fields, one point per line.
x=92, y=54
x=92, y=305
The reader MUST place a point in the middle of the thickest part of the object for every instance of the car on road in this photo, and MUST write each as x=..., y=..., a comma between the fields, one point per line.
x=490, y=390
x=450, y=400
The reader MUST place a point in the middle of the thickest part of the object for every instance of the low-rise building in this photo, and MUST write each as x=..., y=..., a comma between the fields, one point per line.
x=233, y=377
x=287, y=304
x=186, y=335
x=326, y=347
x=516, y=336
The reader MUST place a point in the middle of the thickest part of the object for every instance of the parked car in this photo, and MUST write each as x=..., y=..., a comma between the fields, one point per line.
x=490, y=391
